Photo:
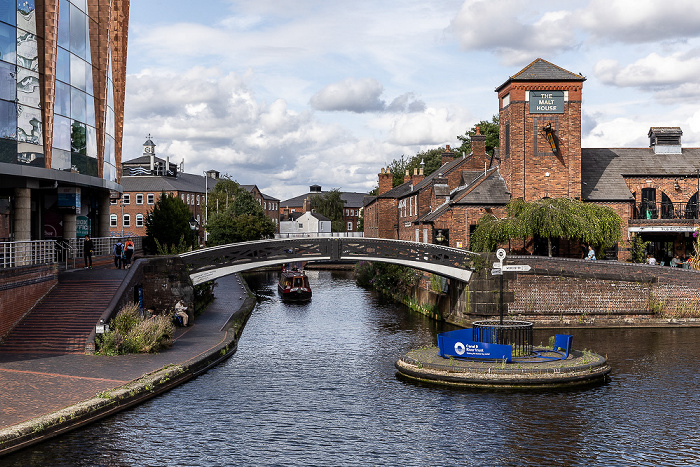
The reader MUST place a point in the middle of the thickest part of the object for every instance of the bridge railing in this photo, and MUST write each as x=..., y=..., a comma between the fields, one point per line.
x=103, y=245
x=320, y=235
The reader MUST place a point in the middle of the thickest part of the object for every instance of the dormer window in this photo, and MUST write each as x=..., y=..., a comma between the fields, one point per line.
x=665, y=140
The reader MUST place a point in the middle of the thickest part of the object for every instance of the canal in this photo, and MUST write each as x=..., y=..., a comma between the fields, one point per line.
x=314, y=384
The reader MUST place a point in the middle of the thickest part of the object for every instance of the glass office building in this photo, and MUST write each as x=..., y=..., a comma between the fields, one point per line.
x=62, y=79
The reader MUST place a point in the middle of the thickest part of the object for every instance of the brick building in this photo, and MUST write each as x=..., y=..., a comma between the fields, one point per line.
x=269, y=204
x=653, y=189
x=300, y=204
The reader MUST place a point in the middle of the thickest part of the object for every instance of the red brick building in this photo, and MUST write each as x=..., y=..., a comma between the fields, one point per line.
x=653, y=189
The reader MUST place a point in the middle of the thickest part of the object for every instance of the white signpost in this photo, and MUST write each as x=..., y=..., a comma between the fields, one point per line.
x=498, y=270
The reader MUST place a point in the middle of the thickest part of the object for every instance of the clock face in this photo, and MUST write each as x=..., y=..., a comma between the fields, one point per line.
x=148, y=149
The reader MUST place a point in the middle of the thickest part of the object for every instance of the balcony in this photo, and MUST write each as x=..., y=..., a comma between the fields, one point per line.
x=667, y=211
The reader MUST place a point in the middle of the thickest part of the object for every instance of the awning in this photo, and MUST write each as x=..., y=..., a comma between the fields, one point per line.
x=663, y=228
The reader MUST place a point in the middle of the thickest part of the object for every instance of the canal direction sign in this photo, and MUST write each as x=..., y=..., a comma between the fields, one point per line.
x=516, y=268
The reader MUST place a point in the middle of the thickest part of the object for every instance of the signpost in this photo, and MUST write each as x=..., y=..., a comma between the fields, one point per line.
x=499, y=269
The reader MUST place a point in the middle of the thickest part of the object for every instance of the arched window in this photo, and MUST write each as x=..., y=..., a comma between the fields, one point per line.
x=139, y=220
x=648, y=207
x=112, y=220
x=666, y=208
x=127, y=220
x=691, y=207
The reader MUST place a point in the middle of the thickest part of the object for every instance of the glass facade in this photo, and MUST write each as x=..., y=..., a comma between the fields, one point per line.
x=21, y=128
x=75, y=136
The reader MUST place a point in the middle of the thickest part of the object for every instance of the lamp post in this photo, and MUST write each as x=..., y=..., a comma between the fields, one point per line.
x=206, y=204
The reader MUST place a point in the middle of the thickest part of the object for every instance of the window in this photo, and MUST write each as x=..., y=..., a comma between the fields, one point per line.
x=112, y=220
x=139, y=198
x=188, y=198
x=182, y=197
x=139, y=220
x=126, y=198
x=150, y=198
x=350, y=226
x=127, y=220
x=113, y=201
x=197, y=200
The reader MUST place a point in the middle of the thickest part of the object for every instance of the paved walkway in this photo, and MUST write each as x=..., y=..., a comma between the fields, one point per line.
x=38, y=383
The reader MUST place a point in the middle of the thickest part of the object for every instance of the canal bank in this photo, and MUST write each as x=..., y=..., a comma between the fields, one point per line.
x=45, y=395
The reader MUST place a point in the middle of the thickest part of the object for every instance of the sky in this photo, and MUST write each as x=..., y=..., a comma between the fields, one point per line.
x=288, y=94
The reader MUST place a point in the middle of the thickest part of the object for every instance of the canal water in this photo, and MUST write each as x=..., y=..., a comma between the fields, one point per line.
x=315, y=384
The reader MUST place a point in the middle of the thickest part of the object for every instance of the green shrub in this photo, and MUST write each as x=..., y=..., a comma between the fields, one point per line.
x=131, y=333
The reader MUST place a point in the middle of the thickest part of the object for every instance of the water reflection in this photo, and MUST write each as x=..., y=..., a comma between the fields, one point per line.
x=314, y=384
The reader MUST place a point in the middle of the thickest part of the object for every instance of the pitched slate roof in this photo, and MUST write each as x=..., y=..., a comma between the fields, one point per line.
x=485, y=189
x=351, y=199
x=542, y=70
x=603, y=169
x=157, y=183
x=489, y=189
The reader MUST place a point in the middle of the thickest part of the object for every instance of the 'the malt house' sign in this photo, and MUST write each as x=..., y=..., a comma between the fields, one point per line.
x=546, y=102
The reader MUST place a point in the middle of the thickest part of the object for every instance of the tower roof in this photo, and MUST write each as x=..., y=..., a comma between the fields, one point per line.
x=542, y=70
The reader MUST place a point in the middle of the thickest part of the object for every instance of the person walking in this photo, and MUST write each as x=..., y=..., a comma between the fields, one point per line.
x=88, y=248
x=128, y=252
x=118, y=250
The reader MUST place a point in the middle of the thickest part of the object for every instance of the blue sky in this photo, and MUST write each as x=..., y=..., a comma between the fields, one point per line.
x=286, y=94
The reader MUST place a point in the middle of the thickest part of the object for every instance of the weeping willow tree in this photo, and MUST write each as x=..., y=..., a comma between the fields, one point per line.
x=550, y=218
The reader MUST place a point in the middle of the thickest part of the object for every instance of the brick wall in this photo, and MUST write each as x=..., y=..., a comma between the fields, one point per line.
x=20, y=289
x=565, y=287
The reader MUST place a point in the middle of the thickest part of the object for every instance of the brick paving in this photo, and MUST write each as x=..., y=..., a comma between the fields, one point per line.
x=35, y=382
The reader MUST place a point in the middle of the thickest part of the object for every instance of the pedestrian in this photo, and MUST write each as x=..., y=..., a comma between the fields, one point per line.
x=128, y=252
x=591, y=253
x=118, y=250
x=651, y=260
x=88, y=248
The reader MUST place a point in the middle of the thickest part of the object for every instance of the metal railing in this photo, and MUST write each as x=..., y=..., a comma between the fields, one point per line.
x=27, y=253
x=34, y=252
x=517, y=334
x=652, y=210
x=321, y=235
x=102, y=245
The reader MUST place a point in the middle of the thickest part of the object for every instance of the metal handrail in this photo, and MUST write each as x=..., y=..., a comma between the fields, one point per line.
x=34, y=252
x=27, y=253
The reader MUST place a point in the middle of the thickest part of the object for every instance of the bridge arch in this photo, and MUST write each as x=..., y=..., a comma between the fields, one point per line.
x=211, y=263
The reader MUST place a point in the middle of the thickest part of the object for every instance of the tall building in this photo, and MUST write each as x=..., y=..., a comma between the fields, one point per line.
x=62, y=84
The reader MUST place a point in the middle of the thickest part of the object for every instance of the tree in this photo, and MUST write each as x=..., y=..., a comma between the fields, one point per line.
x=168, y=224
x=235, y=216
x=549, y=218
x=488, y=129
x=429, y=160
x=331, y=205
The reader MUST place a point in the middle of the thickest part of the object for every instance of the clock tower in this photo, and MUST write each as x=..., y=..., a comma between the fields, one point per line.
x=149, y=147
x=540, y=132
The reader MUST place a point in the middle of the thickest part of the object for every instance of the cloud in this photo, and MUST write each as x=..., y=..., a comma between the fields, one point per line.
x=360, y=96
x=518, y=31
x=652, y=71
x=641, y=21
x=212, y=119
x=496, y=26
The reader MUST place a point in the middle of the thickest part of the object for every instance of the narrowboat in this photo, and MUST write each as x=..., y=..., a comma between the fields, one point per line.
x=294, y=285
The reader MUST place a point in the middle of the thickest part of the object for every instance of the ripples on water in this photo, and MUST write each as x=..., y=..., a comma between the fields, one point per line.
x=314, y=384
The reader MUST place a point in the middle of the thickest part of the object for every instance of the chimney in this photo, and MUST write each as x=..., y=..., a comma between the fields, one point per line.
x=448, y=155
x=407, y=176
x=386, y=181
x=417, y=176
x=479, y=147
x=167, y=165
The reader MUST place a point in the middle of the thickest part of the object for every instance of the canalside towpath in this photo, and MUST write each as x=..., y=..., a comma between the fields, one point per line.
x=45, y=393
